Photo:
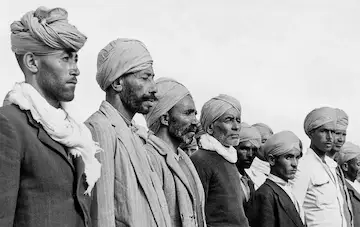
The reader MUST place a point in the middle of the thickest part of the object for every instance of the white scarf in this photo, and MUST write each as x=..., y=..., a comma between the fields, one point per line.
x=210, y=143
x=60, y=127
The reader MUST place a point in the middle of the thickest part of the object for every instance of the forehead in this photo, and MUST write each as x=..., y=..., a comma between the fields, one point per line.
x=185, y=103
x=232, y=112
x=148, y=70
x=59, y=54
x=294, y=152
x=327, y=126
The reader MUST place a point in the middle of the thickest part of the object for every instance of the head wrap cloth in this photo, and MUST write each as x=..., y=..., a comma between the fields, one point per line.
x=263, y=129
x=342, y=120
x=281, y=143
x=251, y=134
x=121, y=56
x=216, y=107
x=44, y=32
x=347, y=152
x=169, y=93
x=319, y=117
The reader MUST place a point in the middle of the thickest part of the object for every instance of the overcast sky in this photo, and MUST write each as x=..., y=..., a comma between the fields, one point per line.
x=281, y=59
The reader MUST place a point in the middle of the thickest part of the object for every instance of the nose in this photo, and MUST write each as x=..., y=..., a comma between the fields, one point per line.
x=294, y=162
x=250, y=153
x=329, y=136
x=74, y=70
x=153, y=88
x=236, y=126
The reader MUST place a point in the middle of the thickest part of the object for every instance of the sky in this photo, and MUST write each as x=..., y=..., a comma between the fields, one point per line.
x=279, y=58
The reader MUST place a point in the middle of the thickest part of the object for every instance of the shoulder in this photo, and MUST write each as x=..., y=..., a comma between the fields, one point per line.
x=13, y=116
x=265, y=189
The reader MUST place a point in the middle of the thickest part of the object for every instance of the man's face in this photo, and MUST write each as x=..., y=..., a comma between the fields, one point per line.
x=57, y=74
x=260, y=152
x=339, y=139
x=182, y=120
x=352, y=168
x=139, y=91
x=246, y=154
x=285, y=166
x=226, y=129
x=323, y=137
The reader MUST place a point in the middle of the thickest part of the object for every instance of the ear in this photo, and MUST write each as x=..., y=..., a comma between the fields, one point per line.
x=210, y=129
x=31, y=62
x=345, y=167
x=164, y=119
x=271, y=160
x=117, y=85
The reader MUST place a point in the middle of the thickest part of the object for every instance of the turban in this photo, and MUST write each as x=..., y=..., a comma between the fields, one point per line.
x=169, y=93
x=216, y=107
x=263, y=129
x=342, y=121
x=347, y=152
x=120, y=57
x=251, y=134
x=44, y=32
x=319, y=117
x=281, y=143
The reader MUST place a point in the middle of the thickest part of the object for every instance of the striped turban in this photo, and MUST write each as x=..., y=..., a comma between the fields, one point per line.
x=342, y=121
x=281, y=143
x=121, y=56
x=251, y=134
x=318, y=117
x=347, y=152
x=45, y=31
x=216, y=107
x=169, y=93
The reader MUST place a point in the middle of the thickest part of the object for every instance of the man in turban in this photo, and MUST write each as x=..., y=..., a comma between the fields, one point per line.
x=172, y=121
x=273, y=203
x=215, y=162
x=349, y=162
x=249, y=145
x=260, y=168
x=316, y=185
x=47, y=160
x=129, y=191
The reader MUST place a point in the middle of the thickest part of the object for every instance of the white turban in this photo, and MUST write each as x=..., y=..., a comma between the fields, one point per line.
x=281, y=143
x=319, y=117
x=45, y=31
x=263, y=129
x=342, y=119
x=169, y=93
x=251, y=134
x=216, y=107
x=347, y=152
x=120, y=57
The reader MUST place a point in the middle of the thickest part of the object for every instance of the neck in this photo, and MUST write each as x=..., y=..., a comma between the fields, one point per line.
x=331, y=154
x=319, y=153
x=51, y=100
x=116, y=102
x=163, y=133
x=278, y=175
x=240, y=169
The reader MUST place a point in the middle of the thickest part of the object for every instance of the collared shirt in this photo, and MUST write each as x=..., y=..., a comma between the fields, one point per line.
x=355, y=184
x=258, y=172
x=245, y=186
x=317, y=189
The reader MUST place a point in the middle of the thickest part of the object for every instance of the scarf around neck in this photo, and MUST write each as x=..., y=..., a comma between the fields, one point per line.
x=210, y=143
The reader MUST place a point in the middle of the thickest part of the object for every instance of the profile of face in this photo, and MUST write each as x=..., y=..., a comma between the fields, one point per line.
x=351, y=168
x=56, y=75
x=285, y=166
x=323, y=137
x=226, y=129
x=339, y=139
x=138, y=91
x=246, y=153
x=182, y=122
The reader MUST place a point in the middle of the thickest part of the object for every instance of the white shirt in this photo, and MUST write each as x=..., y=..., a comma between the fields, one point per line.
x=355, y=185
x=317, y=189
x=258, y=172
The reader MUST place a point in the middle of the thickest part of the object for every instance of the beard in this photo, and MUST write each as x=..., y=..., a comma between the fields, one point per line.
x=181, y=133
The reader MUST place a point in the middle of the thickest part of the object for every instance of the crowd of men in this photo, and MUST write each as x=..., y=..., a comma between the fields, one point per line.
x=181, y=172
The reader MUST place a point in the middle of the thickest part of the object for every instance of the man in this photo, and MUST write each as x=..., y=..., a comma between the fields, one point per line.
x=172, y=121
x=317, y=188
x=273, y=204
x=191, y=148
x=260, y=168
x=249, y=145
x=47, y=160
x=129, y=192
x=349, y=162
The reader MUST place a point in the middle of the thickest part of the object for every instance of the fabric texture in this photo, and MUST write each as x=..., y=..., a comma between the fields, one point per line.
x=258, y=172
x=342, y=121
x=45, y=31
x=208, y=142
x=319, y=117
x=281, y=143
x=251, y=134
x=355, y=202
x=347, y=152
x=121, y=56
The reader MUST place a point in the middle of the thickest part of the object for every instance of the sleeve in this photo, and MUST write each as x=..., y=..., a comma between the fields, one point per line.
x=203, y=172
x=103, y=207
x=10, y=162
x=301, y=182
x=261, y=211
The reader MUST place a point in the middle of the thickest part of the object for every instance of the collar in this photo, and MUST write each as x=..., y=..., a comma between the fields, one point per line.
x=278, y=180
x=208, y=142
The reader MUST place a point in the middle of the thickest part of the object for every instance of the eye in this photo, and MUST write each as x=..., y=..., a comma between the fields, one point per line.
x=65, y=58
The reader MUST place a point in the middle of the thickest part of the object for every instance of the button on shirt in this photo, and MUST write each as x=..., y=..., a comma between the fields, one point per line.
x=317, y=189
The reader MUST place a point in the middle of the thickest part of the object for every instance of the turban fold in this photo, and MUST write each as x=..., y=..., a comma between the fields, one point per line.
x=44, y=32
x=281, y=143
x=216, y=107
x=319, y=117
x=342, y=121
x=169, y=93
x=263, y=129
x=347, y=152
x=251, y=134
x=121, y=56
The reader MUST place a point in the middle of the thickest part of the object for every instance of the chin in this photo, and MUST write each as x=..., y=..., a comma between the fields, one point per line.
x=143, y=110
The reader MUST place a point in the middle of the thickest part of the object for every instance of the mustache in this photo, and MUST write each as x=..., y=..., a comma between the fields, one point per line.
x=151, y=97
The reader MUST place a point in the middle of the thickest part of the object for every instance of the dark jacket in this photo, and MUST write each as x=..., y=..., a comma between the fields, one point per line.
x=355, y=202
x=40, y=184
x=272, y=207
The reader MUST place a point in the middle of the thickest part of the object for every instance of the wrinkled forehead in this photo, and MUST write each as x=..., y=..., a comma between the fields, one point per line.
x=231, y=112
